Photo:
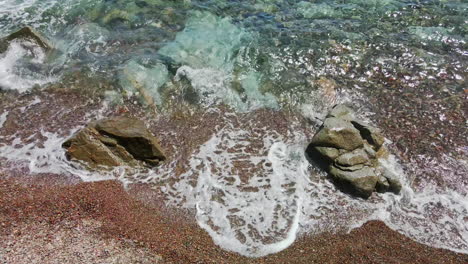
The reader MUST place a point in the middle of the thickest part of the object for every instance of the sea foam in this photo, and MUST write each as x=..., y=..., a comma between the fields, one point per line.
x=14, y=71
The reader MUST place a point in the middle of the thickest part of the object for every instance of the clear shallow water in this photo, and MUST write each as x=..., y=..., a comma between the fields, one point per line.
x=252, y=55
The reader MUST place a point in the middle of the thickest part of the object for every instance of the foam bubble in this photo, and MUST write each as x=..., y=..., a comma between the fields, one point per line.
x=432, y=217
x=259, y=210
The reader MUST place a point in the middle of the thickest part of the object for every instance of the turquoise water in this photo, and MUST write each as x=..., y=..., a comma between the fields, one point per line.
x=258, y=53
x=278, y=55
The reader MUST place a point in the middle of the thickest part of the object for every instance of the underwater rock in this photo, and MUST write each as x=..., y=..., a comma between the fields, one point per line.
x=27, y=34
x=136, y=79
x=353, y=152
x=115, y=141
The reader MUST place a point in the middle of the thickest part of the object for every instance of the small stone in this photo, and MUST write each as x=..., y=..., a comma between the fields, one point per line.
x=394, y=185
x=369, y=150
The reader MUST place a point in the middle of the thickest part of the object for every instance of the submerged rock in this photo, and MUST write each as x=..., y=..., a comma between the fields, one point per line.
x=115, y=141
x=25, y=34
x=352, y=151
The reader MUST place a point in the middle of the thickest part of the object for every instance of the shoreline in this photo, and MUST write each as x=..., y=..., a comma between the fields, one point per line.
x=124, y=221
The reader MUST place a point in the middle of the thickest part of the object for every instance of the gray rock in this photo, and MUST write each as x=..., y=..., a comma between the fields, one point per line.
x=329, y=153
x=351, y=150
x=394, y=184
x=382, y=184
x=337, y=133
x=343, y=112
x=355, y=157
x=361, y=182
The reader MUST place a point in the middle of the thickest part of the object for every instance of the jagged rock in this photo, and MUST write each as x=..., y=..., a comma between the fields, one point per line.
x=394, y=184
x=115, y=141
x=370, y=134
x=133, y=135
x=337, y=133
x=352, y=152
x=25, y=33
x=382, y=184
x=362, y=181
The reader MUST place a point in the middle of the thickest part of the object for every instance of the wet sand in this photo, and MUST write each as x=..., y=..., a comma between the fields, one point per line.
x=104, y=215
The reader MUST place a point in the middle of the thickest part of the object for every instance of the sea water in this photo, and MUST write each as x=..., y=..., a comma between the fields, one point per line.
x=250, y=184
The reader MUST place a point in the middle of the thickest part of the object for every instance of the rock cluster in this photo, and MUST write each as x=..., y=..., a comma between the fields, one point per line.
x=115, y=141
x=352, y=151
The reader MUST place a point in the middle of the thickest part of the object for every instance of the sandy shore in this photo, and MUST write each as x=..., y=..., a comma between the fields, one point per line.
x=102, y=223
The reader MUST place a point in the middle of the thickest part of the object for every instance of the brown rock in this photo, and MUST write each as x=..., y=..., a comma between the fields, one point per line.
x=133, y=135
x=115, y=142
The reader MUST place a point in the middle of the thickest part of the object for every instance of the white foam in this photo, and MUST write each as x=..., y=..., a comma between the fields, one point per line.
x=13, y=74
x=214, y=87
x=3, y=118
x=240, y=214
x=47, y=157
x=432, y=217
